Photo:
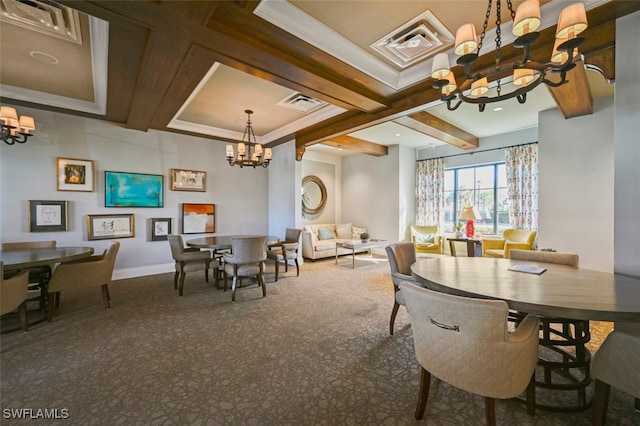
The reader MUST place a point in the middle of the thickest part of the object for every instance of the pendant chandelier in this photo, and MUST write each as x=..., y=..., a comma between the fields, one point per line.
x=13, y=129
x=526, y=74
x=250, y=152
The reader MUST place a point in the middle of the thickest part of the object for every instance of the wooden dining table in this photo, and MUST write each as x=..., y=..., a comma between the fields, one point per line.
x=40, y=256
x=560, y=291
x=223, y=242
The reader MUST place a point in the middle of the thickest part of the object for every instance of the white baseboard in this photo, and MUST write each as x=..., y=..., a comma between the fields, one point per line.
x=141, y=271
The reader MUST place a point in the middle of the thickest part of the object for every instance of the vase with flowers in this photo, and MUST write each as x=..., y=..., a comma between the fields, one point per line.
x=458, y=233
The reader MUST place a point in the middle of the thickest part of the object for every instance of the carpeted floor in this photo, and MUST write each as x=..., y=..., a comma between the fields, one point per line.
x=315, y=351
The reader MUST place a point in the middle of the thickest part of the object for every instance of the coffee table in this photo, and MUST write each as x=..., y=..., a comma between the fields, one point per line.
x=358, y=245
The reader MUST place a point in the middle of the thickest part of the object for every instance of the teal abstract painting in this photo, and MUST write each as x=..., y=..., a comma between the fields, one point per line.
x=133, y=190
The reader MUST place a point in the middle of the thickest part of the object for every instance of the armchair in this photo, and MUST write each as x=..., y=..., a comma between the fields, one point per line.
x=401, y=257
x=426, y=239
x=95, y=271
x=14, y=294
x=284, y=251
x=518, y=239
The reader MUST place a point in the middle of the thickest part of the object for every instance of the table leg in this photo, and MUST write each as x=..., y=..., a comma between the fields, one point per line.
x=452, y=248
x=471, y=249
x=353, y=258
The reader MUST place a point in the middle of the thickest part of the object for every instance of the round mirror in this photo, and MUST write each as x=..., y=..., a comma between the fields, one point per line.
x=314, y=195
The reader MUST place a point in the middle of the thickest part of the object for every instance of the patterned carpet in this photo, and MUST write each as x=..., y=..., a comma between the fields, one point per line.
x=315, y=351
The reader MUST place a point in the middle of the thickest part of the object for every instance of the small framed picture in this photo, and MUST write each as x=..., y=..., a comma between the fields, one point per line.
x=160, y=228
x=198, y=218
x=74, y=174
x=106, y=226
x=47, y=216
x=188, y=180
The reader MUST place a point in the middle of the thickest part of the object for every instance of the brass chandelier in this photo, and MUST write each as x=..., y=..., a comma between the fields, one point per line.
x=250, y=152
x=526, y=74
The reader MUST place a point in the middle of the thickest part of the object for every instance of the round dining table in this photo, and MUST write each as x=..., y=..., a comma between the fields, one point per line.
x=41, y=256
x=560, y=291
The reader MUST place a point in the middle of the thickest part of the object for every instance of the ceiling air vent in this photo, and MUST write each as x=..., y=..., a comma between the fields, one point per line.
x=43, y=16
x=301, y=103
x=421, y=38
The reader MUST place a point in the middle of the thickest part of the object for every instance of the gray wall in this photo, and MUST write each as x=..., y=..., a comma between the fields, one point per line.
x=27, y=172
x=627, y=146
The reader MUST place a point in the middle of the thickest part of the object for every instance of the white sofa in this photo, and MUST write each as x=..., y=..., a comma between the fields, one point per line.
x=316, y=245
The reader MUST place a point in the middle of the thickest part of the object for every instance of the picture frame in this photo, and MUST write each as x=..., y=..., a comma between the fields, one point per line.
x=160, y=228
x=188, y=180
x=123, y=189
x=198, y=218
x=108, y=226
x=73, y=174
x=48, y=216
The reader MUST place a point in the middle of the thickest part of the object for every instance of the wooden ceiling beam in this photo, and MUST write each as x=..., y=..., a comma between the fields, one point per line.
x=603, y=61
x=574, y=97
x=437, y=128
x=359, y=145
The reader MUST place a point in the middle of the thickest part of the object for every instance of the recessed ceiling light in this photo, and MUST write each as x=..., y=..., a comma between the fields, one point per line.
x=496, y=109
x=397, y=134
x=44, y=57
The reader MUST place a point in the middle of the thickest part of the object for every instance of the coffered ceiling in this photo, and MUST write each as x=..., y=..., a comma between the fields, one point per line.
x=350, y=74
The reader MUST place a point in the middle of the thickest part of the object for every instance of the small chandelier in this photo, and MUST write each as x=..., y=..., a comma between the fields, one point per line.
x=527, y=74
x=13, y=129
x=249, y=153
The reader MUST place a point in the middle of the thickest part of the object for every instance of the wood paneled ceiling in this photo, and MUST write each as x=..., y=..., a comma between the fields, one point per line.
x=163, y=57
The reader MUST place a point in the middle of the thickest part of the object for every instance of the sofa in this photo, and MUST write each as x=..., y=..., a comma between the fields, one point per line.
x=319, y=240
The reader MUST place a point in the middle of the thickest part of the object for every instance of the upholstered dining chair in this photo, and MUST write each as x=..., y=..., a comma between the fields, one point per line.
x=93, y=271
x=563, y=336
x=285, y=251
x=39, y=276
x=246, y=259
x=14, y=294
x=426, y=239
x=401, y=257
x=616, y=363
x=190, y=260
x=465, y=342
x=518, y=239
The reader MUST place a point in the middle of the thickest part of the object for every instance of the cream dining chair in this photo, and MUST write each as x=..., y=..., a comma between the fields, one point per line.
x=465, y=342
x=246, y=259
x=401, y=257
x=190, y=260
x=14, y=294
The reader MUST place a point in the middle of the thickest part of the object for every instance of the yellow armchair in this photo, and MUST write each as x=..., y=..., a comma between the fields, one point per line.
x=426, y=239
x=518, y=239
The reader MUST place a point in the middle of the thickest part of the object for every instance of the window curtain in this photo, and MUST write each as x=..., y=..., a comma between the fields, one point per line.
x=522, y=186
x=430, y=192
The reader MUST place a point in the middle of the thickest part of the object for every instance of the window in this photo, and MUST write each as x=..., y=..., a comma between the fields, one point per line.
x=482, y=186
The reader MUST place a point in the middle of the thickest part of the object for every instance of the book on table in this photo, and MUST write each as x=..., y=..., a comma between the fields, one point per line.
x=529, y=269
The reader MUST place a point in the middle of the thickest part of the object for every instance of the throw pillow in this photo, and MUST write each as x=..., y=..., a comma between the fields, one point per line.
x=425, y=238
x=355, y=232
x=344, y=231
x=326, y=234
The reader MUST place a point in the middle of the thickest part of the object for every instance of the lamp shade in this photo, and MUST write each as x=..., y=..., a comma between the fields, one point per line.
x=440, y=67
x=448, y=88
x=7, y=113
x=572, y=21
x=522, y=76
x=27, y=123
x=470, y=213
x=466, y=39
x=480, y=87
x=527, y=18
x=560, y=56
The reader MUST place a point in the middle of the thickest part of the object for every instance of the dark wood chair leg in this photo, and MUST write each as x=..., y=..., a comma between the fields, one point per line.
x=261, y=282
x=490, y=411
x=51, y=305
x=423, y=393
x=277, y=268
x=531, y=395
x=636, y=404
x=22, y=309
x=175, y=280
x=394, y=312
x=105, y=296
x=57, y=300
x=600, y=403
x=297, y=267
x=233, y=288
x=181, y=284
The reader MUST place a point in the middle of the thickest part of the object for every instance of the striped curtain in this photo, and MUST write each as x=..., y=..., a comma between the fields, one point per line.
x=430, y=192
x=522, y=186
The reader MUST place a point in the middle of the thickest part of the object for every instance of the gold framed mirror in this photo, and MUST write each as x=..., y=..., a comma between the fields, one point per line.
x=314, y=195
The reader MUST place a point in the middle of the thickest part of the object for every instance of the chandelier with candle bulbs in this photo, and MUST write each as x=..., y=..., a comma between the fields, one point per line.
x=250, y=152
x=13, y=129
x=524, y=75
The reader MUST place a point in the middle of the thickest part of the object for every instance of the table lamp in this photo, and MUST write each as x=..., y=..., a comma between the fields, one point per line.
x=470, y=213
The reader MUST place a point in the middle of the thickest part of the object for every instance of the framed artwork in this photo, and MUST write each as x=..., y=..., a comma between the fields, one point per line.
x=133, y=190
x=47, y=216
x=198, y=218
x=106, y=226
x=74, y=174
x=160, y=228
x=188, y=180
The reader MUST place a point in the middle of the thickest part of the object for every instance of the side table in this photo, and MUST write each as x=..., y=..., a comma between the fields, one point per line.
x=474, y=247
